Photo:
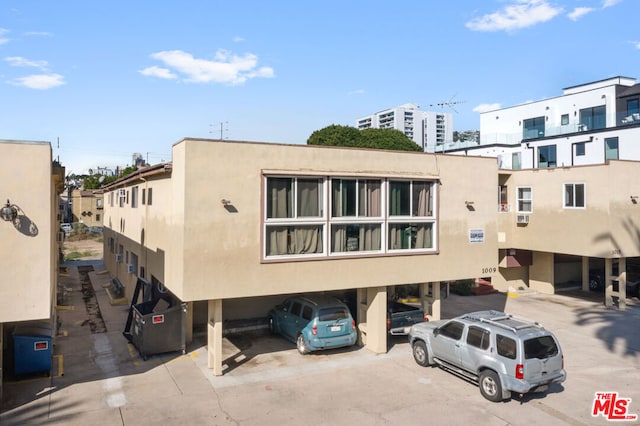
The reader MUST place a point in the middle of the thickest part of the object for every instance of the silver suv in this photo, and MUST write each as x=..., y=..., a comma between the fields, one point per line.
x=501, y=353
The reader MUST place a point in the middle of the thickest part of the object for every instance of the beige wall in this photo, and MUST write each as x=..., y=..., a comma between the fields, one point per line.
x=210, y=252
x=86, y=202
x=608, y=227
x=28, y=250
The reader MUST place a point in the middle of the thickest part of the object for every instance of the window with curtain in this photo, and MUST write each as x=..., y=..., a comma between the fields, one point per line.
x=611, y=148
x=356, y=215
x=313, y=216
x=411, y=217
x=294, y=216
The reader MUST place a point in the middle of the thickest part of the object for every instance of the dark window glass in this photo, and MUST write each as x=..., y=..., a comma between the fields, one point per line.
x=540, y=347
x=547, y=156
x=506, y=346
x=478, y=337
x=307, y=312
x=564, y=120
x=296, y=308
x=332, y=314
x=633, y=107
x=533, y=128
x=593, y=118
x=580, y=148
x=399, y=198
x=452, y=329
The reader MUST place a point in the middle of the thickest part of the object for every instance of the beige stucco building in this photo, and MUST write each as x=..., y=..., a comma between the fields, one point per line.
x=29, y=231
x=558, y=224
x=87, y=206
x=232, y=228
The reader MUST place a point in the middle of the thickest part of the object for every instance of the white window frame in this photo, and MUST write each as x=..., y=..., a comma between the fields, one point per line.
x=564, y=196
x=520, y=199
x=326, y=219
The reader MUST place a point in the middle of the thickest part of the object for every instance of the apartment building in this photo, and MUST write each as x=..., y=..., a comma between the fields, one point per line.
x=87, y=206
x=231, y=228
x=29, y=230
x=559, y=225
x=430, y=130
x=588, y=124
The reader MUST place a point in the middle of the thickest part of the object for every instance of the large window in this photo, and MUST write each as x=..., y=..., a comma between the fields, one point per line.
x=611, y=148
x=318, y=216
x=356, y=215
x=633, y=106
x=533, y=128
x=593, y=118
x=547, y=156
x=410, y=215
x=525, y=199
x=574, y=195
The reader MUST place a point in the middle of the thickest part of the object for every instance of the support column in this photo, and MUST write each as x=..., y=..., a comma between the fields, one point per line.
x=214, y=337
x=622, y=283
x=431, y=299
x=377, y=320
x=585, y=273
x=188, y=323
x=608, y=284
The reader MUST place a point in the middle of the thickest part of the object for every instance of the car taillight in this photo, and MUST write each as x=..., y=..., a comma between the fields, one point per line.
x=519, y=371
x=314, y=330
x=353, y=325
x=388, y=323
x=426, y=317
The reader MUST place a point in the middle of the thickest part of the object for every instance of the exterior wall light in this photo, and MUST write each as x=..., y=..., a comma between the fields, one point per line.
x=9, y=212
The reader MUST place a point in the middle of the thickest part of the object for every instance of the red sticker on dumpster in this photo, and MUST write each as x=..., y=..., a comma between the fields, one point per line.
x=157, y=319
x=41, y=346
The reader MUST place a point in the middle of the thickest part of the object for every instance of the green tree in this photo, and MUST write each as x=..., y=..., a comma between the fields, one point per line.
x=336, y=135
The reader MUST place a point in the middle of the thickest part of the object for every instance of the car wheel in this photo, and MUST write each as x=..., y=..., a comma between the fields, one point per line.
x=302, y=345
x=594, y=284
x=490, y=386
x=272, y=327
x=420, y=353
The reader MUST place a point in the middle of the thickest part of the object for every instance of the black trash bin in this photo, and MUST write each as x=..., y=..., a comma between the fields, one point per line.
x=158, y=327
x=32, y=349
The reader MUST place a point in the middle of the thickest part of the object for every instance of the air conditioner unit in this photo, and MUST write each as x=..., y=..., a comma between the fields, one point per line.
x=118, y=258
x=522, y=218
x=131, y=269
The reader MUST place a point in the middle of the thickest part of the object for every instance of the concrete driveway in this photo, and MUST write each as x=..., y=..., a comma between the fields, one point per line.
x=267, y=382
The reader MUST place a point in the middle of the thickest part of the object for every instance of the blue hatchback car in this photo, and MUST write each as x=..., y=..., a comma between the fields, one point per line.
x=314, y=323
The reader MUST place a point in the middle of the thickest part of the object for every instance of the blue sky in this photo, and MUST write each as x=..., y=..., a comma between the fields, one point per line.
x=109, y=78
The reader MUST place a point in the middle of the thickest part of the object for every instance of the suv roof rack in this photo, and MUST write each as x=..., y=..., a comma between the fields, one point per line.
x=496, y=318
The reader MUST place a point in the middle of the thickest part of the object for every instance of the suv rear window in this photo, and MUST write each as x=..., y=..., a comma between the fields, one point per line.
x=540, y=347
x=332, y=313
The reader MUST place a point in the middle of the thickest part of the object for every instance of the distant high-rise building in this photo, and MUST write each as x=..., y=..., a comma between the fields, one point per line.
x=426, y=128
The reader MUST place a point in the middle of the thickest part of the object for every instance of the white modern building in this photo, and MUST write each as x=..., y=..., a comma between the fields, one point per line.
x=427, y=129
x=588, y=124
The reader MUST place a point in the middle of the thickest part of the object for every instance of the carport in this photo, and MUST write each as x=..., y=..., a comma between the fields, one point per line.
x=596, y=274
x=371, y=312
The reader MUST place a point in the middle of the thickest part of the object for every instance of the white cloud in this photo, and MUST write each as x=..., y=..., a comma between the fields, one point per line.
x=238, y=39
x=19, y=61
x=636, y=44
x=39, y=33
x=521, y=14
x=3, y=39
x=225, y=67
x=486, y=107
x=158, y=72
x=39, y=81
x=579, y=12
x=357, y=92
x=609, y=3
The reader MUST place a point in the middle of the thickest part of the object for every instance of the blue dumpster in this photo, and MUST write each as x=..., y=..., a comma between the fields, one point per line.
x=32, y=349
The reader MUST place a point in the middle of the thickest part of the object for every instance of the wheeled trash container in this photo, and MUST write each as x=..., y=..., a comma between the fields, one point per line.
x=158, y=327
x=32, y=349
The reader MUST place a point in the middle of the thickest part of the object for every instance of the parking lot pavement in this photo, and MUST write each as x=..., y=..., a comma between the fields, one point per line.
x=266, y=381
